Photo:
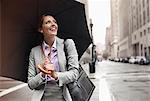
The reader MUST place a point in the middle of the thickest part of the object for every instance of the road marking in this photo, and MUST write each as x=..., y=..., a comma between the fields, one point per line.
x=104, y=91
x=9, y=90
x=125, y=76
x=2, y=90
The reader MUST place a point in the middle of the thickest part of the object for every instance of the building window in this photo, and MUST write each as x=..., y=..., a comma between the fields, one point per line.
x=149, y=30
x=143, y=3
x=149, y=51
x=144, y=20
x=135, y=37
x=140, y=7
x=145, y=51
x=141, y=50
x=141, y=34
x=140, y=20
x=144, y=32
x=148, y=17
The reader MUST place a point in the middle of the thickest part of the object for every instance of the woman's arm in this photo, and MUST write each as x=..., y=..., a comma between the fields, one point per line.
x=72, y=62
x=35, y=80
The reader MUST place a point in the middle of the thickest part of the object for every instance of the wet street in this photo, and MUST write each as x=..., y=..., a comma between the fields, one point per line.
x=126, y=82
x=114, y=81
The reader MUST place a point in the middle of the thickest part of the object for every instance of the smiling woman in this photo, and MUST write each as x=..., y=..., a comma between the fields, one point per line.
x=19, y=31
x=47, y=64
x=48, y=28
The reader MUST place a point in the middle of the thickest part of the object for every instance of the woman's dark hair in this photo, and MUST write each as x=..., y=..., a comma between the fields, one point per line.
x=41, y=19
x=40, y=22
x=40, y=37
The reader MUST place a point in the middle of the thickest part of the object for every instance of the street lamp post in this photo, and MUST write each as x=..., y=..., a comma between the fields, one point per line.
x=91, y=27
x=92, y=64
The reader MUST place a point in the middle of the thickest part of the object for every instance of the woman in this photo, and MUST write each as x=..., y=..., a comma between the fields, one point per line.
x=48, y=73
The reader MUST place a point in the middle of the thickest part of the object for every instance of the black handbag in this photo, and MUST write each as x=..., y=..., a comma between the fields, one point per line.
x=82, y=88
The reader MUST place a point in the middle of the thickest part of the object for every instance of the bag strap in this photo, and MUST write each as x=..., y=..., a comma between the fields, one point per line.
x=66, y=55
x=65, y=49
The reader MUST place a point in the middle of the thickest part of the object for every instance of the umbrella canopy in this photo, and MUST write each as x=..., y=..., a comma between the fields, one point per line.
x=18, y=29
x=71, y=19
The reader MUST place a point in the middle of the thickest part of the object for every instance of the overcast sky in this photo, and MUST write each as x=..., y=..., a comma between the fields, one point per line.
x=99, y=12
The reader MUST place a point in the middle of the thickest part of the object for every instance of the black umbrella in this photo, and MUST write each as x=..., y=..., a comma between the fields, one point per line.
x=71, y=19
x=19, y=20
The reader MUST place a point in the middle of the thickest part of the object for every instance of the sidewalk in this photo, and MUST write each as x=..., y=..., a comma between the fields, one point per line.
x=11, y=88
x=101, y=92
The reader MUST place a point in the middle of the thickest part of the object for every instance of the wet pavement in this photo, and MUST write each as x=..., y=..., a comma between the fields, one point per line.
x=22, y=94
x=6, y=83
x=101, y=92
x=127, y=82
x=13, y=90
x=113, y=81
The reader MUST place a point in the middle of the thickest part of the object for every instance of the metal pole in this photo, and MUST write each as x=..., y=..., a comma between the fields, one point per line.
x=92, y=64
x=91, y=27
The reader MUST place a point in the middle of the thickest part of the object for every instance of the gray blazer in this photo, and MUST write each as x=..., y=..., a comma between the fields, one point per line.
x=37, y=83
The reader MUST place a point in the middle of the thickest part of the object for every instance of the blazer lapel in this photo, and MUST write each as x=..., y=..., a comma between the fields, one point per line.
x=40, y=56
x=61, y=54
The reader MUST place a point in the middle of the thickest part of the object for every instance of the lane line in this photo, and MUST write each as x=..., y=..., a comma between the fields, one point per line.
x=9, y=90
x=2, y=89
x=104, y=91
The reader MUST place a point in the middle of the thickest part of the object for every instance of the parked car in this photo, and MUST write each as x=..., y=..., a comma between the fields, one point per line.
x=120, y=59
x=111, y=58
x=132, y=60
x=116, y=59
x=125, y=60
x=137, y=59
x=144, y=61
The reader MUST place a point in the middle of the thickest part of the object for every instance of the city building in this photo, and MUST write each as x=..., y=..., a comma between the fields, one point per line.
x=108, y=39
x=114, y=27
x=140, y=27
x=130, y=28
x=124, y=40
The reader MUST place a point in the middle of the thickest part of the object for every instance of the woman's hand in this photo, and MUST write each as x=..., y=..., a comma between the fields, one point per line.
x=43, y=69
x=48, y=68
